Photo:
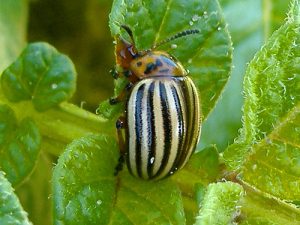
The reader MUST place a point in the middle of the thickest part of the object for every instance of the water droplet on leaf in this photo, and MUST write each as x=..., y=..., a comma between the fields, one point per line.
x=173, y=46
x=195, y=18
x=99, y=202
x=54, y=86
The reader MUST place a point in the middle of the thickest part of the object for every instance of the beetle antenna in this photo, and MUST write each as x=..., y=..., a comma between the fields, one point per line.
x=178, y=35
x=129, y=32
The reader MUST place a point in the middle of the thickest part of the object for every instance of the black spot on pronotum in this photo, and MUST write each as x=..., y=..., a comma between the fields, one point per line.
x=158, y=62
x=150, y=67
x=164, y=71
x=168, y=61
x=139, y=63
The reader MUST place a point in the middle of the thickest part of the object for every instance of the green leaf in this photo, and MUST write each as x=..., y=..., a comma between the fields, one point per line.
x=274, y=166
x=11, y=211
x=20, y=145
x=161, y=203
x=258, y=208
x=40, y=74
x=83, y=181
x=220, y=205
x=274, y=15
x=271, y=89
x=87, y=192
x=8, y=124
x=205, y=164
x=207, y=55
x=62, y=124
x=13, y=24
x=202, y=168
x=221, y=127
x=108, y=111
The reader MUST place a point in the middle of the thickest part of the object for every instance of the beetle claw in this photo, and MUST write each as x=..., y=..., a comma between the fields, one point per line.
x=114, y=73
x=113, y=101
x=119, y=124
x=119, y=166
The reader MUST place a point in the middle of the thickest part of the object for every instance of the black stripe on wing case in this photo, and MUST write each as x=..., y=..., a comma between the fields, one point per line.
x=188, y=99
x=151, y=130
x=139, y=127
x=167, y=126
x=181, y=130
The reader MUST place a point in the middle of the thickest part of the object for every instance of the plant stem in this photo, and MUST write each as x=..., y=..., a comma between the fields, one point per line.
x=62, y=124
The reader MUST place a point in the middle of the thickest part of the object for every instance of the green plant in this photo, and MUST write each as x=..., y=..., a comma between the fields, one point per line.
x=256, y=180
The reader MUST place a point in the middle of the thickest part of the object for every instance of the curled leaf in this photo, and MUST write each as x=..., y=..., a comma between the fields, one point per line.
x=40, y=74
x=11, y=211
x=20, y=145
x=220, y=204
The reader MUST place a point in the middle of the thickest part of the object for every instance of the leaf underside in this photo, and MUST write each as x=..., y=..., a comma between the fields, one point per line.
x=11, y=211
x=19, y=145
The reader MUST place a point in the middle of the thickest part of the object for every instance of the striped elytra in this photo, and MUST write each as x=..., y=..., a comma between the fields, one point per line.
x=162, y=118
x=163, y=126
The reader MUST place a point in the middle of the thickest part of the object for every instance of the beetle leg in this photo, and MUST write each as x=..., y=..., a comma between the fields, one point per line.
x=120, y=124
x=121, y=96
x=127, y=73
x=114, y=73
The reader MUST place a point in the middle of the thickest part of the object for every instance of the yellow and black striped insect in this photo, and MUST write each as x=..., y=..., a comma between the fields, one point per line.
x=162, y=116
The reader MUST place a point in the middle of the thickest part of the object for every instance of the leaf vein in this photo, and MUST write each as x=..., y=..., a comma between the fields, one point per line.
x=149, y=200
x=162, y=22
x=277, y=169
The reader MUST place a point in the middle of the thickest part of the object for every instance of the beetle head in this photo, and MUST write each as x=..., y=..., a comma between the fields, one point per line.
x=125, y=51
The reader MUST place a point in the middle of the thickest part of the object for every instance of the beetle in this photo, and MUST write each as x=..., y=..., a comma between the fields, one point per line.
x=162, y=116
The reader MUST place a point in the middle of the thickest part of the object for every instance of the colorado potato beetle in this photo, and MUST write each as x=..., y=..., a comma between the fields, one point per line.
x=162, y=115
